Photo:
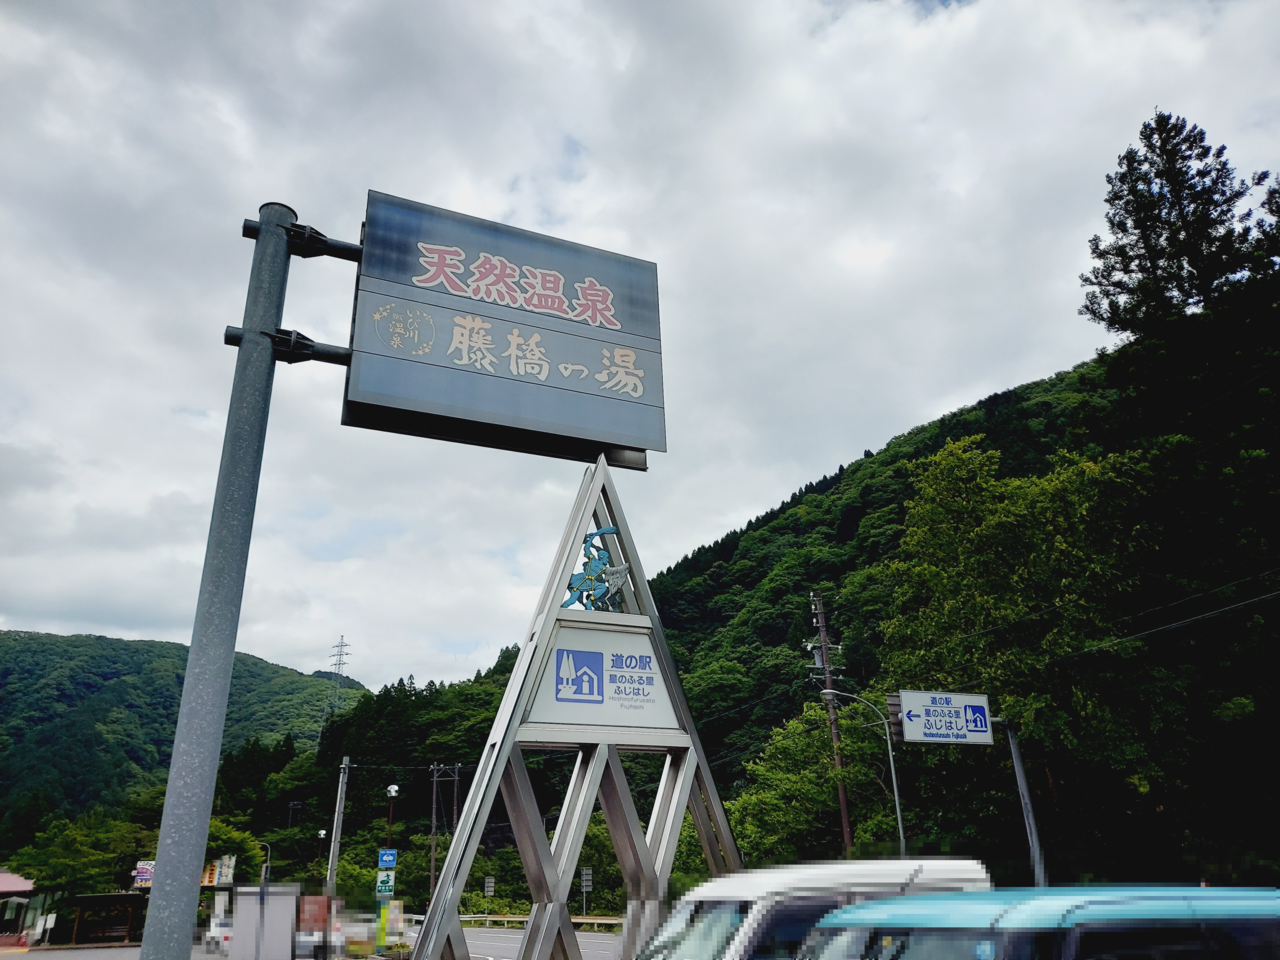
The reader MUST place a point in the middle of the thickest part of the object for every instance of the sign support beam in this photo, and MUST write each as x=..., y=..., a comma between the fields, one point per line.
x=562, y=695
x=197, y=741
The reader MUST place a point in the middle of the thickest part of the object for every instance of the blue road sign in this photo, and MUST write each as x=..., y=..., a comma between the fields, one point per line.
x=939, y=717
x=386, y=859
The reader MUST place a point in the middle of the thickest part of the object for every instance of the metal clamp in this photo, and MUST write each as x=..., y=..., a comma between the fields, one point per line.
x=309, y=242
x=294, y=347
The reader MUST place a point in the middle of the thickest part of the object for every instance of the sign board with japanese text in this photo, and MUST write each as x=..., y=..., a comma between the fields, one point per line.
x=384, y=883
x=387, y=859
x=604, y=677
x=219, y=873
x=482, y=333
x=143, y=874
x=940, y=717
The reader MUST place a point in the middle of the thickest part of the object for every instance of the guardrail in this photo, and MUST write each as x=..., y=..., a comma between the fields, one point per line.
x=491, y=918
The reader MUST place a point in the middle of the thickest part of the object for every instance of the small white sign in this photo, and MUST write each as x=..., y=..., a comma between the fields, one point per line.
x=937, y=717
x=385, y=885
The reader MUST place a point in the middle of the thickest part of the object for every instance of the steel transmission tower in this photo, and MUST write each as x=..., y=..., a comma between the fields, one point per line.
x=339, y=659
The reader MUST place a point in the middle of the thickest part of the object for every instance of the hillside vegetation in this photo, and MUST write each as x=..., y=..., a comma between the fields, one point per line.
x=86, y=720
x=1098, y=552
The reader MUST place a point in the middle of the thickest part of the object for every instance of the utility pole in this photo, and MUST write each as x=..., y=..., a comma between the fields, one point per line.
x=435, y=780
x=820, y=619
x=331, y=877
x=456, y=768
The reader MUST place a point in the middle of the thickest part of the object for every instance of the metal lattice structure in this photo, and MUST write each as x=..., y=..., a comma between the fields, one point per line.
x=547, y=686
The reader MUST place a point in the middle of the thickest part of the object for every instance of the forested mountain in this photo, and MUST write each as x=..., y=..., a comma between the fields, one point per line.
x=1098, y=552
x=85, y=720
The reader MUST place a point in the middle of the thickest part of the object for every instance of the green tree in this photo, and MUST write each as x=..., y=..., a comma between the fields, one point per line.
x=1178, y=236
x=92, y=854
x=225, y=840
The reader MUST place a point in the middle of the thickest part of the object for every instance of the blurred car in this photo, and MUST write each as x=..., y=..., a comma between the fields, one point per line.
x=767, y=914
x=1067, y=923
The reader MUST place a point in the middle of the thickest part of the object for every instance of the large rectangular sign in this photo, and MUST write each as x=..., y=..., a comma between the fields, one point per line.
x=938, y=717
x=603, y=678
x=482, y=333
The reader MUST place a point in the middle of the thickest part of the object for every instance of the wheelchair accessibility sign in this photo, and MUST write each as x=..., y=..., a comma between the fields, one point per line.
x=937, y=717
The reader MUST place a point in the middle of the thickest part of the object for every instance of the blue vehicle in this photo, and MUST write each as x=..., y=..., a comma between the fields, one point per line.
x=1062, y=923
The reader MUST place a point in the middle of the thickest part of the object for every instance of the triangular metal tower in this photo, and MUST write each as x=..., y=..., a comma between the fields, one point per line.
x=600, y=681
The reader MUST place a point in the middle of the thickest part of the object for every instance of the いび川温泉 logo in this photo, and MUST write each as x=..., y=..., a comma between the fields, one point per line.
x=579, y=676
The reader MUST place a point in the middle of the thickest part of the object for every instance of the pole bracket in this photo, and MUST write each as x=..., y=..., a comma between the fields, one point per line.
x=307, y=242
x=291, y=346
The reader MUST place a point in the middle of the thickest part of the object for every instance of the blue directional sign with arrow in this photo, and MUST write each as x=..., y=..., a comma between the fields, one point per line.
x=931, y=716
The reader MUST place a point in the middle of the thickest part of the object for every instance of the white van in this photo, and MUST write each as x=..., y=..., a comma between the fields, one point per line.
x=766, y=914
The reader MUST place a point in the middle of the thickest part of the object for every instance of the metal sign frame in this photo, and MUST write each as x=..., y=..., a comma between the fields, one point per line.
x=645, y=856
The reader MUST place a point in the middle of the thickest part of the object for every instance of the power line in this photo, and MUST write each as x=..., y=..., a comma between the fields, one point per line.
x=1144, y=633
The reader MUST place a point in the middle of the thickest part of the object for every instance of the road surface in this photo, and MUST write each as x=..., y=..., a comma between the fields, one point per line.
x=494, y=943
x=484, y=943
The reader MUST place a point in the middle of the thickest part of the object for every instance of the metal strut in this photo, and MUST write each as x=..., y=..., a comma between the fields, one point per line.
x=290, y=346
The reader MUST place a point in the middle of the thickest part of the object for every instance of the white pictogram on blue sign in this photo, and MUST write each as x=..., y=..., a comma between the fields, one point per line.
x=975, y=718
x=581, y=676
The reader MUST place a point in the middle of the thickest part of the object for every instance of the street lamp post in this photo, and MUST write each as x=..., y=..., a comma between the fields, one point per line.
x=391, y=804
x=262, y=900
x=830, y=696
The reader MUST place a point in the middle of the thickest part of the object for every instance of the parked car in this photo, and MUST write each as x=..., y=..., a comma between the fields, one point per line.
x=767, y=914
x=1058, y=923
x=218, y=937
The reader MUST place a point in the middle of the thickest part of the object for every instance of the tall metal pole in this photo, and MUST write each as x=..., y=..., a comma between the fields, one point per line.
x=197, y=741
x=435, y=779
x=821, y=617
x=456, y=768
x=893, y=772
x=263, y=877
x=331, y=877
x=1037, y=858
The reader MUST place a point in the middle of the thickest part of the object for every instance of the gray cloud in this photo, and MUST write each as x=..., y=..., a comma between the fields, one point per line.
x=863, y=214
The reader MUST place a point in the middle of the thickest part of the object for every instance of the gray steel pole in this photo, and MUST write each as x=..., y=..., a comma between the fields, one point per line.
x=331, y=876
x=435, y=780
x=1037, y=858
x=197, y=741
x=893, y=772
x=893, y=775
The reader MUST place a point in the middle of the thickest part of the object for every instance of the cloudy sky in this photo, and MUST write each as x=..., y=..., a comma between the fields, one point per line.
x=863, y=213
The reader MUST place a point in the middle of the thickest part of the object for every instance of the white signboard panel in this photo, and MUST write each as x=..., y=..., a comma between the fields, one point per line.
x=602, y=678
x=938, y=717
x=384, y=883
